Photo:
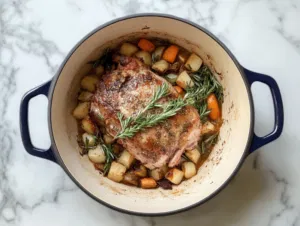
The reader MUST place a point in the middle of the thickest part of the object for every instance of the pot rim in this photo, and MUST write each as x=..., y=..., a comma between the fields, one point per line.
x=241, y=71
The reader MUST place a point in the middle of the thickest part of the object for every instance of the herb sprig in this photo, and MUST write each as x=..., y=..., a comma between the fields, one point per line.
x=205, y=84
x=126, y=131
x=85, y=145
x=150, y=120
x=132, y=125
x=110, y=156
x=108, y=151
x=208, y=142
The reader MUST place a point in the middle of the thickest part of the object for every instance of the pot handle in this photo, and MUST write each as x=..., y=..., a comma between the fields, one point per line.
x=25, y=134
x=257, y=141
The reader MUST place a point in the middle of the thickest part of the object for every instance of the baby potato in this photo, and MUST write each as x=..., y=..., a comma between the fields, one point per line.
x=97, y=155
x=174, y=175
x=160, y=66
x=128, y=49
x=140, y=171
x=189, y=169
x=193, y=155
x=88, y=139
x=148, y=183
x=108, y=139
x=131, y=179
x=144, y=56
x=193, y=63
x=88, y=126
x=82, y=110
x=184, y=80
x=157, y=174
x=208, y=127
x=126, y=159
x=89, y=83
x=85, y=96
x=116, y=172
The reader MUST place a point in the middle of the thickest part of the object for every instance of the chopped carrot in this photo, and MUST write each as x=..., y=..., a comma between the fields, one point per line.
x=170, y=53
x=213, y=106
x=146, y=45
x=178, y=89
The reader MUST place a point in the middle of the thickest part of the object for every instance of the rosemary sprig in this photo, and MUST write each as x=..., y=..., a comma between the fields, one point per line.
x=205, y=84
x=110, y=156
x=208, y=142
x=211, y=140
x=168, y=110
x=185, y=157
x=162, y=91
x=202, y=148
x=85, y=145
x=203, y=111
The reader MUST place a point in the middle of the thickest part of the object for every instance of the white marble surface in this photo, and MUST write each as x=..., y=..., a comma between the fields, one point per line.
x=35, y=36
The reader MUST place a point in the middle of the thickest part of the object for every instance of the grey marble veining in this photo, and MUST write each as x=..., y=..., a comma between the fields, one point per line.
x=36, y=35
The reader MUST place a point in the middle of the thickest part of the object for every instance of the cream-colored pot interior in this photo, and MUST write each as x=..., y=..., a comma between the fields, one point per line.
x=226, y=155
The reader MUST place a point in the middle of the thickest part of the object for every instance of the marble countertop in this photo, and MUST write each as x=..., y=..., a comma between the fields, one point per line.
x=36, y=35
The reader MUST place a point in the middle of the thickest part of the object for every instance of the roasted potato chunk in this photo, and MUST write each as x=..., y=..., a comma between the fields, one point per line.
x=88, y=126
x=131, y=179
x=160, y=66
x=140, y=171
x=193, y=63
x=128, y=49
x=126, y=159
x=208, y=127
x=108, y=139
x=82, y=110
x=97, y=155
x=193, y=155
x=174, y=175
x=184, y=80
x=116, y=172
x=189, y=169
x=144, y=56
x=89, y=83
x=159, y=173
x=85, y=96
x=88, y=139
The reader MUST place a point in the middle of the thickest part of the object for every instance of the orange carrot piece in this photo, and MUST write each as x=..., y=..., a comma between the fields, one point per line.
x=146, y=45
x=213, y=106
x=170, y=53
x=178, y=89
